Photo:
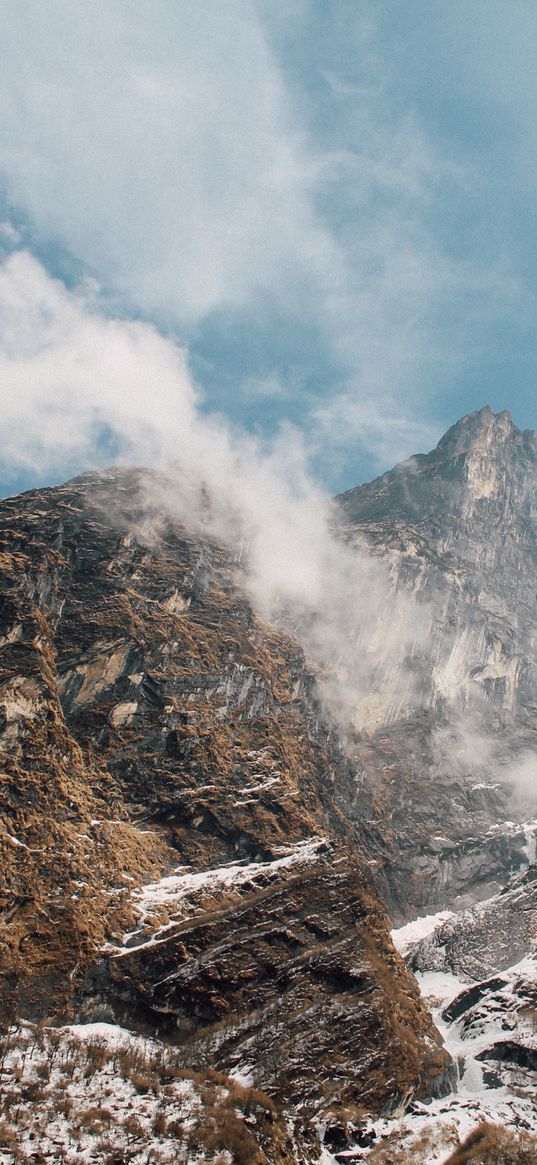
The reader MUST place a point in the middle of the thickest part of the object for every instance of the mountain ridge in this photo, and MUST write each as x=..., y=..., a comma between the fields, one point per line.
x=152, y=723
x=192, y=848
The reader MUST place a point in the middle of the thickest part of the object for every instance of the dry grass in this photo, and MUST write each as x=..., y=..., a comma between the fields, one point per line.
x=487, y=1145
x=60, y=1094
x=492, y=1145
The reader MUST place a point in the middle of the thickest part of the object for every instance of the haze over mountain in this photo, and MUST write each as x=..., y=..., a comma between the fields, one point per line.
x=210, y=800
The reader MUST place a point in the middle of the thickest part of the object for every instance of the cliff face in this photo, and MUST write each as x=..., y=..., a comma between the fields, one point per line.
x=457, y=528
x=154, y=734
x=191, y=849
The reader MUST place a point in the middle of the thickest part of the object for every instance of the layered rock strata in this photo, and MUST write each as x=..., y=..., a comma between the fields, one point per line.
x=151, y=729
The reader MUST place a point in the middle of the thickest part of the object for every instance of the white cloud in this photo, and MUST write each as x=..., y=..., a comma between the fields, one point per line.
x=9, y=235
x=176, y=155
x=157, y=144
x=167, y=149
x=68, y=374
x=348, y=422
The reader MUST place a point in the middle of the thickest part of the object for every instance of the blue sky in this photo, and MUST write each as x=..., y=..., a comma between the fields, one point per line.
x=329, y=210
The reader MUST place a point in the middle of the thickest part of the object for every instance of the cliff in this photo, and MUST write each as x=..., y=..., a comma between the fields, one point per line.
x=453, y=768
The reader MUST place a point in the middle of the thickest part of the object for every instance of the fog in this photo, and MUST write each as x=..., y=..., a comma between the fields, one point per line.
x=81, y=389
x=77, y=384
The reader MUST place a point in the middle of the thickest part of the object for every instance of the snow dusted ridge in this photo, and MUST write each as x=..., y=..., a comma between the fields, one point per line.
x=406, y=937
x=183, y=894
x=487, y=938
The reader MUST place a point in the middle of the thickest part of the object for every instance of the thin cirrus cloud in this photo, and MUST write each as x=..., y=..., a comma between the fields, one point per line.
x=251, y=170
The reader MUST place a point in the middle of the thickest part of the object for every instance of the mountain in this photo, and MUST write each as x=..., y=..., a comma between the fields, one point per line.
x=174, y=859
x=200, y=866
x=456, y=766
x=459, y=526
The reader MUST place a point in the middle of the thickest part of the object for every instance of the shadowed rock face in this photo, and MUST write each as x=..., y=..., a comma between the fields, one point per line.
x=151, y=724
x=486, y=938
x=285, y=973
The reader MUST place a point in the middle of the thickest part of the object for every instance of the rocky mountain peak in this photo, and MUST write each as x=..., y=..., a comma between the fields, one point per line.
x=458, y=528
x=483, y=461
x=478, y=430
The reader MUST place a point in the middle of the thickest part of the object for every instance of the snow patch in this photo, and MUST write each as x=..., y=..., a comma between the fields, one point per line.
x=404, y=937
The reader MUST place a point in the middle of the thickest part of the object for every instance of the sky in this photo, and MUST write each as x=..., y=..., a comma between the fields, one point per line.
x=310, y=225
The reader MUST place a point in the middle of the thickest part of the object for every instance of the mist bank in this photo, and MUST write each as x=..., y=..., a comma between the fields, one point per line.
x=82, y=389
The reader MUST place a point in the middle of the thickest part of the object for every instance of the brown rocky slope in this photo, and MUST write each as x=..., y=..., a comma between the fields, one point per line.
x=150, y=729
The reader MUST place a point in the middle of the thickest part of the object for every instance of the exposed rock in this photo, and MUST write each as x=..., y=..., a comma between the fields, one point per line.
x=152, y=723
x=188, y=844
x=458, y=529
x=487, y=938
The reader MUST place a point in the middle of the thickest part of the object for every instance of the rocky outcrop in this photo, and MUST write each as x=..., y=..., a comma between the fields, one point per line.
x=487, y=938
x=272, y=970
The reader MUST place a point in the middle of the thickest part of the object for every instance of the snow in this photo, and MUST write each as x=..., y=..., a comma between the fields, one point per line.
x=439, y=988
x=111, y=1034
x=178, y=892
x=264, y=783
x=405, y=936
x=530, y=833
x=96, y=1093
x=15, y=841
x=171, y=890
x=68, y=1089
x=244, y=1075
x=496, y=1016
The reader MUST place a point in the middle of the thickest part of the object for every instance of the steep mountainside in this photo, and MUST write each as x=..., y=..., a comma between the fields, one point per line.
x=457, y=528
x=191, y=850
x=153, y=732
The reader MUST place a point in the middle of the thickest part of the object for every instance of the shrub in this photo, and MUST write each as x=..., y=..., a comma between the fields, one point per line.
x=492, y=1145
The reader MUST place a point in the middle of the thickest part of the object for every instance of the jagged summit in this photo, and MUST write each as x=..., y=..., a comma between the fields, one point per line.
x=458, y=526
x=484, y=461
x=476, y=427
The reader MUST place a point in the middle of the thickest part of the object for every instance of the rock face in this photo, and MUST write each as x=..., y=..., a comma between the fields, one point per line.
x=457, y=528
x=152, y=730
x=486, y=958
x=487, y=938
